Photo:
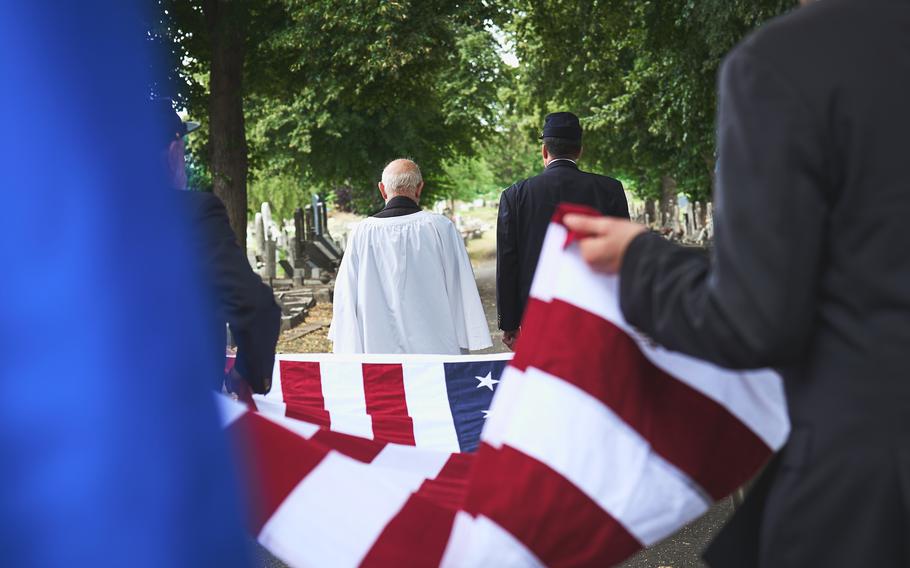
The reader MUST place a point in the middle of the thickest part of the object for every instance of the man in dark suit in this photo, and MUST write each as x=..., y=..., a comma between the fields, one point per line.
x=526, y=207
x=239, y=297
x=810, y=274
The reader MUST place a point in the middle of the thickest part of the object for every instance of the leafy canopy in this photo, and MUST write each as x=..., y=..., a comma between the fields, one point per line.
x=334, y=89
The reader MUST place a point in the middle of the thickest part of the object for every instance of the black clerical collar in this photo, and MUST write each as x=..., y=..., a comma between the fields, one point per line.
x=398, y=206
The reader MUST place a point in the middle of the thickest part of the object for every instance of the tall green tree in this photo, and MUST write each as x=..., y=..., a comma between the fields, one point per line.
x=345, y=86
x=641, y=74
x=226, y=23
x=302, y=96
x=211, y=41
x=316, y=95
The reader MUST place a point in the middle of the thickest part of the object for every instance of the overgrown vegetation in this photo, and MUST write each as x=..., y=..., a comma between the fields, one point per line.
x=333, y=89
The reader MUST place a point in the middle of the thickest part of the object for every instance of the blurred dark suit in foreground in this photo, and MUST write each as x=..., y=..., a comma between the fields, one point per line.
x=242, y=299
x=810, y=274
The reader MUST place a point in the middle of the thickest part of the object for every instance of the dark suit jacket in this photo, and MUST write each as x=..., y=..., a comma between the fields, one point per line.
x=810, y=274
x=240, y=298
x=525, y=210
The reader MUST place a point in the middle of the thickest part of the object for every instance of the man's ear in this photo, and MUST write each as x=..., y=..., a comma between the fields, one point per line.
x=544, y=154
x=382, y=192
x=419, y=189
x=580, y=152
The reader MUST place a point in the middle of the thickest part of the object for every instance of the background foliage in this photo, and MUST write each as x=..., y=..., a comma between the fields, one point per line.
x=641, y=73
x=333, y=89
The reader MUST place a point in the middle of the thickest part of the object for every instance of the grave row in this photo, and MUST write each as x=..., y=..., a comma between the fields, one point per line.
x=305, y=252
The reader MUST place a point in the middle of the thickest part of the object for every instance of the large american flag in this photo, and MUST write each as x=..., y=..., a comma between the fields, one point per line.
x=428, y=401
x=596, y=443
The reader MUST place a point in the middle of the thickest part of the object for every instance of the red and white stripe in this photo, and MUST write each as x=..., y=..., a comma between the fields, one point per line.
x=598, y=443
x=392, y=398
x=320, y=498
x=620, y=441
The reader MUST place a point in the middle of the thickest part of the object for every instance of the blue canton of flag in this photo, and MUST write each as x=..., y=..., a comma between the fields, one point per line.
x=470, y=387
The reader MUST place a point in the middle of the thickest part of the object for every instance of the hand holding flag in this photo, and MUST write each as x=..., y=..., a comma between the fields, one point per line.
x=605, y=239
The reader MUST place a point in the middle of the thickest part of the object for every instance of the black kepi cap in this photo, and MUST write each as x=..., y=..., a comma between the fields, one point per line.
x=561, y=125
x=168, y=124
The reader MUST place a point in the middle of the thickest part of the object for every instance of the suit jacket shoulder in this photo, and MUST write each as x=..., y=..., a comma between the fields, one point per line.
x=612, y=183
x=809, y=47
x=203, y=203
x=604, y=179
x=516, y=188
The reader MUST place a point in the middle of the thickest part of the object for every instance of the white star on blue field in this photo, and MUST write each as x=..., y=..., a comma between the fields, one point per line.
x=470, y=386
x=486, y=381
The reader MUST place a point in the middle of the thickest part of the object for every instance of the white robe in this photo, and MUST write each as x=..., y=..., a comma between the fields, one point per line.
x=405, y=285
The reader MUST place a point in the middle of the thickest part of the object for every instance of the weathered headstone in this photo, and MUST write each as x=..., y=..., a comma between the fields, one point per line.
x=299, y=236
x=317, y=216
x=287, y=267
x=259, y=241
x=269, y=249
x=267, y=219
x=284, y=241
x=324, y=216
x=299, y=256
x=270, y=253
x=309, y=222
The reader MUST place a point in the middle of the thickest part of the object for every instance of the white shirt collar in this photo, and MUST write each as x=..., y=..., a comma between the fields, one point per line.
x=554, y=160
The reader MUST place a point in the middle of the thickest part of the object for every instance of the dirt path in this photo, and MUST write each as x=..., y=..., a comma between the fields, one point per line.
x=485, y=274
x=311, y=336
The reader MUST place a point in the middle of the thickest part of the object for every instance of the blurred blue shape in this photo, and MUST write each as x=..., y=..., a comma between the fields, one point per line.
x=110, y=447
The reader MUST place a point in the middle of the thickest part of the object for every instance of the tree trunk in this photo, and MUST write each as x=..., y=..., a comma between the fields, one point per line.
x=667, y=200
x=226, y=20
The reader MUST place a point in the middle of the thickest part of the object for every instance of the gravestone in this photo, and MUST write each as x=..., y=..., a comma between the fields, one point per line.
x=269, y=249
x=259, y=244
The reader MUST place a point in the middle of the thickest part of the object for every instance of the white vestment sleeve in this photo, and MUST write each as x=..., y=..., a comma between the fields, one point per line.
x=345, y=333
x=467, y=310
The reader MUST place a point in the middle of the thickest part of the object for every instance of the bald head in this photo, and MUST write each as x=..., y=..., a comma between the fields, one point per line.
x=401, y=178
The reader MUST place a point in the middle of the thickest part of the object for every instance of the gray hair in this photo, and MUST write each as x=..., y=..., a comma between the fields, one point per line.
x=401, y=177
